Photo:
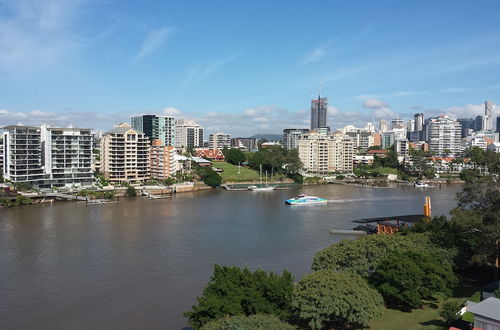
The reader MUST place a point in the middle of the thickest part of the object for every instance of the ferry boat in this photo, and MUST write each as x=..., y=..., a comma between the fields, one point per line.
x=265, y=188
x=420, y=184
x=304, y=200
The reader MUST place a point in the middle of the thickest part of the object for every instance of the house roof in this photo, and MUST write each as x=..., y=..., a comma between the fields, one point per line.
x=382, y=151
x=209, y=153
x=489, y=308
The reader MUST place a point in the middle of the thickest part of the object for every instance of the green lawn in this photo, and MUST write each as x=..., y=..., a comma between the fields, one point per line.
x=230, y=173
x=383, y=170
x=423, y=318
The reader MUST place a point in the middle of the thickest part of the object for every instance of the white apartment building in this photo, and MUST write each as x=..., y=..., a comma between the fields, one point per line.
x=291, y=137
x=48, y=157
x=188, y=134
x=1, y=154
x=444, y=134
x=323, y=154
x=219, y=141
x=362, y=138
x=162, y=161
x=124, y=155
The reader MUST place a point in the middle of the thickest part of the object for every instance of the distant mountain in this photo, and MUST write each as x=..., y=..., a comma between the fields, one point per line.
x=268, y=137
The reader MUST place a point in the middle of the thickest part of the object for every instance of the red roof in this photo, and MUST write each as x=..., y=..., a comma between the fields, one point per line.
x=377, y=152
x=210, y=154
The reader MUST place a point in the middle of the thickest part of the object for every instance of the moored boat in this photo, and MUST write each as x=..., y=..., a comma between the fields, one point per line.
x=304, y=200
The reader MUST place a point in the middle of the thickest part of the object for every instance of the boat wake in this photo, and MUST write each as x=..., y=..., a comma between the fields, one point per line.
x=366, y=199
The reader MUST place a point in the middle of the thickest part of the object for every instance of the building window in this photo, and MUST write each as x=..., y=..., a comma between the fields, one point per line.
x=130, y=137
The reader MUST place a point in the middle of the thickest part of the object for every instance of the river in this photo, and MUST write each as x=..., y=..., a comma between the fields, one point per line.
x=142, y=263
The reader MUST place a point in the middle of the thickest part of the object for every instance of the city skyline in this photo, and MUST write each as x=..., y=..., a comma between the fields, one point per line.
x=178, y=60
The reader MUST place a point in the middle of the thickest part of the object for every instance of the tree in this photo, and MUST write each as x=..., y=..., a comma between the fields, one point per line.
x=252, y=322
x=362, y=256
x=209, y=176
x=391, y=159
x=130, y=192
x=335, y=299
x=478, y=215
x=404, y=279
x=236, y=291
x=234, y=155
x=449, y=312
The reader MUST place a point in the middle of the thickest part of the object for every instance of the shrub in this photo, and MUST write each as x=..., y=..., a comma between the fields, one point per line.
x=449, y=312
x=252, y=322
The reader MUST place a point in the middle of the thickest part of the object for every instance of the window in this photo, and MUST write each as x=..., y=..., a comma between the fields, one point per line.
x=130, y=137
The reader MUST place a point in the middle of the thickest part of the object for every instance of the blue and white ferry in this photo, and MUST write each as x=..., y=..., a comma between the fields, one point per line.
x=304, y=200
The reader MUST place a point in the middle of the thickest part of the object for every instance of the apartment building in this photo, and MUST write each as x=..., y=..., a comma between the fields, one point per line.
x=188, y=134
x=247, y=144
x=361, y=138
x=125, y=155
x=46, y=157
x=156, y=127
x=1, y=154
x=444, y=136
x=326, y=153
x=291, y=137
x=219, y=141
x=162, y=161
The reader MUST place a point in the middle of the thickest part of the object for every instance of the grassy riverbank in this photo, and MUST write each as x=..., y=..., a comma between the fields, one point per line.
x=231, y=173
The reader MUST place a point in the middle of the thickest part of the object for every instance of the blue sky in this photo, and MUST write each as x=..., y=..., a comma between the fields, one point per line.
x=245, y=67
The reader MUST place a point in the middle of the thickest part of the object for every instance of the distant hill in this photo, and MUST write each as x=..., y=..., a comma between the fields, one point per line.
x=268, y=137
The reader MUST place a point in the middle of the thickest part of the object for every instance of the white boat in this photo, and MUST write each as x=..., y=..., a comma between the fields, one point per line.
x=421, y=185
x=267, y=188
x=261, y=188
x=304, y=200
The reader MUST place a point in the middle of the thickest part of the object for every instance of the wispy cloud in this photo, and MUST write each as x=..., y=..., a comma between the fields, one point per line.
x=453, y=90
x=388, y=95
x=315, y=55
x=203, y=70
x=37, y=33
x=153, y=41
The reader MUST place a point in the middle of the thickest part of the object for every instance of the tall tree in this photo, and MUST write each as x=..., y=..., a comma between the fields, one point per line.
x=341, y=300
x=236, y=291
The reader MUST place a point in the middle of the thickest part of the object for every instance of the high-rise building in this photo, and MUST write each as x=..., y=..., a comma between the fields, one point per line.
x=419, y=122
x=219, y=141
x=410, y=125
x=383, y=126
x=445, y=136
x=156, y=127
x=323, y=154
x=162, y=161
x=498, y=124
x=361, y=139
x=47, y=157
x=397, y=123
x=188, y=134
x=489, y=108
x=479, y=123
x=244, y=143
x=468, y=124
x=291, y=137
x=319, y=113
x=124, y=155
x=1, y=154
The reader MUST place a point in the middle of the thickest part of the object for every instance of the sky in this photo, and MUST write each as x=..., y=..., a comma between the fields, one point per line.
x=245, y=67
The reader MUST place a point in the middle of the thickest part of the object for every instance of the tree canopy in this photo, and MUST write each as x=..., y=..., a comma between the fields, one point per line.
x=404, y=279
x=234, y=156
x=236, y=291
x=252, y=322
x=364, y=254
x=209, y=176
x=328, y=298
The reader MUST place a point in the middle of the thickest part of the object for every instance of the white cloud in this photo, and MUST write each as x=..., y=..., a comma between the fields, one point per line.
x=203, y=70
x=3, y=112
x=453, y=90
x=171, y=111
x=374, y=103
x=154, y=40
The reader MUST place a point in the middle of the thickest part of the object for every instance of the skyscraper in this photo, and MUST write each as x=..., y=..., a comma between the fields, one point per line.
x=318, y=112
x=156, y=127
x=489, y=107
x=419, y=122
x=383, y=126
x=498, y=123
x=478, y=126
x=445, y=136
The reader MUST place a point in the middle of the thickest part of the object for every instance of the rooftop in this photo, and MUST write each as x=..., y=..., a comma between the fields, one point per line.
x=489, y=308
